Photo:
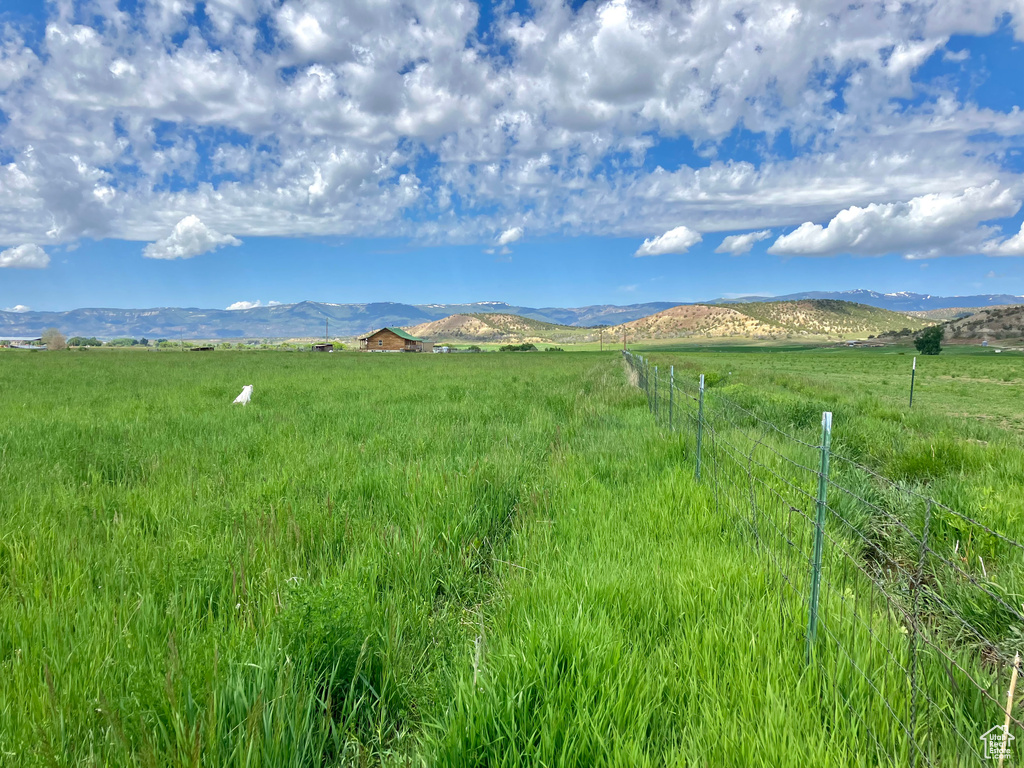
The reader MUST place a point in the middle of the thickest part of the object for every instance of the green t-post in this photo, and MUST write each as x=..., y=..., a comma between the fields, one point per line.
x=913, y=370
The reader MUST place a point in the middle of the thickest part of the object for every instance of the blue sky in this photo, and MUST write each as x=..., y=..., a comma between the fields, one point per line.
x=208, y=153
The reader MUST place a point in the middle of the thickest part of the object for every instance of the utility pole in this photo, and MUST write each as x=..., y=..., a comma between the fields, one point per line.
x=602, y=340
x=326, y=331
x=623, y=338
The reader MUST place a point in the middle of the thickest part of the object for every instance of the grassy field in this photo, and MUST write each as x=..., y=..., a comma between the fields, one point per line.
x=441, y=560
x=970, y=383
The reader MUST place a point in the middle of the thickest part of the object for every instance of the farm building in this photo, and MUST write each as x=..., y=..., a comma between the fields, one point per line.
x=393, y=340
x=329, y=347
x=21, y=342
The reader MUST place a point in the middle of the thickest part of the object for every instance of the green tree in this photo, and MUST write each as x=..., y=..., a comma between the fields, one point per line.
x=524, y=347
x=929, y=341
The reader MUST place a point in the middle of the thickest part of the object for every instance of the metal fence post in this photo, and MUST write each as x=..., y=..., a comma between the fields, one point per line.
x=700, y=421
x=819, y=531
x=647, y=382
x=913, y=373
x=671, y=389
x=655, y=394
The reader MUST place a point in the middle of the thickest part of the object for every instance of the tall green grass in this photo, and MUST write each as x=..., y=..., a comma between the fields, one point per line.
x=956, y=590
x=440, y=560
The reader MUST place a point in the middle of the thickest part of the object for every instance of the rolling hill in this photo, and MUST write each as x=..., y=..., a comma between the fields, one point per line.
x=1003, y=325
x=771, y=320
x=824, y=318
x=695, y=320
x=830, y=317
x=501, y=327
x=951, y=313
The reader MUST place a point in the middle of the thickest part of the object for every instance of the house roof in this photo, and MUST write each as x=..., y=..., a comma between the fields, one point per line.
x=398, y=332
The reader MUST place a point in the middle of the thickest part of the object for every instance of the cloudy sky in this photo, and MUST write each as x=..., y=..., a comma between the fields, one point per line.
x=176, y=152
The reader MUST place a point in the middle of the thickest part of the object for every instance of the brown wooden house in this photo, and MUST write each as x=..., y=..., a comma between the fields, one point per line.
x=393, y=340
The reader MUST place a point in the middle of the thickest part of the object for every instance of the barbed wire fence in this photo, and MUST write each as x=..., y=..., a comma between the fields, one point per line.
x=910, y=610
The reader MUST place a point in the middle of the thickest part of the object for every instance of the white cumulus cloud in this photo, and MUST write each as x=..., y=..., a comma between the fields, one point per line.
x=298, y=118
x=190, y=237
x=18, y=308
x=1011, y=246
x=740, y=244
x=27, y=256
x=678, y=240
x=510, y=235
x=929, y=225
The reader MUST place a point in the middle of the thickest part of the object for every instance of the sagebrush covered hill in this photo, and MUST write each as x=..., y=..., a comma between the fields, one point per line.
x=827, y=318
x=813, y=318
x=1005, y=324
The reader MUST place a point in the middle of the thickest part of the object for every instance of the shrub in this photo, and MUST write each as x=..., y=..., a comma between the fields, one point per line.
x=54, y=339
x=526, y=347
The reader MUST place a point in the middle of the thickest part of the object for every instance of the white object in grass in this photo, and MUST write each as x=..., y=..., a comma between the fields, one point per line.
x=246, y=395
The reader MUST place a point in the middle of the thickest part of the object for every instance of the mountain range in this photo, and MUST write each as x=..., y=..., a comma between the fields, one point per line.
x=309, y=318
x=902, y=301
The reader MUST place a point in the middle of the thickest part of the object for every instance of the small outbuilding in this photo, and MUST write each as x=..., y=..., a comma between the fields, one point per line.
x=205, y=348
x=323, y=347
x=393, y=340
x=21, y=342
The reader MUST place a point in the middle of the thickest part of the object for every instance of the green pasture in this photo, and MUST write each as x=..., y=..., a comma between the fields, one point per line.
x=964, y=384
x=457, y=560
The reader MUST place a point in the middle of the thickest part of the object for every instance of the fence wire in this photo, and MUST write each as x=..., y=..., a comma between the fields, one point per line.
x=920, y=613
